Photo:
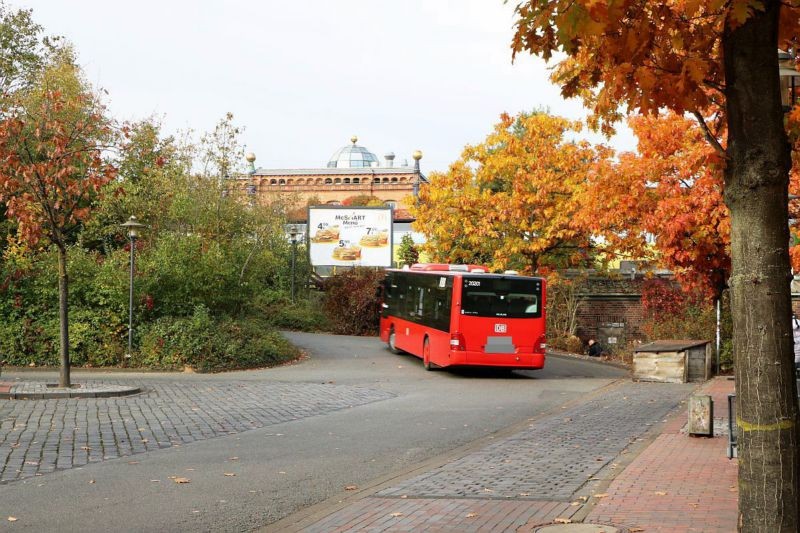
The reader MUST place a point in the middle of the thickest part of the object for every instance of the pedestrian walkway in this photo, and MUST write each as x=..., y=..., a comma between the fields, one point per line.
x=593, y=463
x=679, y=483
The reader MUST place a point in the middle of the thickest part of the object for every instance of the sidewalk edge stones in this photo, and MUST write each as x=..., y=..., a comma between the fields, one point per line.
x=42, y=393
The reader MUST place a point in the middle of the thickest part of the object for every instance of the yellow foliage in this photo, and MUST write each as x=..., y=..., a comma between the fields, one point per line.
x=509, y=201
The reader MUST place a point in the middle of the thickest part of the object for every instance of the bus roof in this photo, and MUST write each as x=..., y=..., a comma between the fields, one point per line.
x=447, y=267
x=444, y=269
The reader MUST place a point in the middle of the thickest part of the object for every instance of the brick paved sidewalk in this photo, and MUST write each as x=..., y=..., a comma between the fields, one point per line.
x=558, y=470
x=679, y=483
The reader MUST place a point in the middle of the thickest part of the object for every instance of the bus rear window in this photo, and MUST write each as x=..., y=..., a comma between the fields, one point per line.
x=501, y=297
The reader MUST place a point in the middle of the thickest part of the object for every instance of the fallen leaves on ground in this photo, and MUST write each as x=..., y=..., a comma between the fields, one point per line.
x=472, y=515
x=181, y=480
x=92, y=482
x=229, y=474
x=351, y=487
x=12, y=518
x=562, y=521
x=395, y=515
x=660, y=493
x=601, y=495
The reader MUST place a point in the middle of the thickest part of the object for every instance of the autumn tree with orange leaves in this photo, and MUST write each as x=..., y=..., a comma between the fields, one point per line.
x=692, y=56
x=670, y=190
x=52, y=138
x=508, y=202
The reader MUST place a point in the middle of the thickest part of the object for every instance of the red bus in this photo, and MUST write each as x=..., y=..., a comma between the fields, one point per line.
x=460, y=315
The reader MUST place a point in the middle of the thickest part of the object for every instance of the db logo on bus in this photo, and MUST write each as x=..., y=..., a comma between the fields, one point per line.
x=500, y=328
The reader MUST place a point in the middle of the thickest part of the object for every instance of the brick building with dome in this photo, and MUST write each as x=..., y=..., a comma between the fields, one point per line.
x=352, y=170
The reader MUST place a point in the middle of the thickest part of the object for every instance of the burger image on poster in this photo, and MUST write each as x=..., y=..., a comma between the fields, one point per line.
x=375, y=240
x=326, y=234
x=347, y=253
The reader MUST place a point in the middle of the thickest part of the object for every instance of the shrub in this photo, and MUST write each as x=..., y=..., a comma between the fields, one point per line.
x=351, y=301
x=567, y=343
x=694, y=322
x=301, y=316
x=563, y=300
x=210, y=344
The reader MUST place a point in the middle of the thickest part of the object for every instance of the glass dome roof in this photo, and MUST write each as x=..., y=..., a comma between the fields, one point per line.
x=353, y=156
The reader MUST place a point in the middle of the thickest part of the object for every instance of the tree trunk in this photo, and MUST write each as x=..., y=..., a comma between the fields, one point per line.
x=63, y=317
x=756, y=181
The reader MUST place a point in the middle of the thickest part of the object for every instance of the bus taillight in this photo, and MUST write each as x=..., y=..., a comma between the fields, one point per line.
x=457, y=341
x=541, y=343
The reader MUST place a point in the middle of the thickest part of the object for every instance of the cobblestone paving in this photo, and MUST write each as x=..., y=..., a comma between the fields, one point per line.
x=554, y=457
x=41, y=436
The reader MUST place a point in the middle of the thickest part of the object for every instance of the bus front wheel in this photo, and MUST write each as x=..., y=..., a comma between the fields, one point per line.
x=393, y=341
x=426, y=354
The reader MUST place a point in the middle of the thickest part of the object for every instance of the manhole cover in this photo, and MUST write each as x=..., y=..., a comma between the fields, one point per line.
x=579, y=528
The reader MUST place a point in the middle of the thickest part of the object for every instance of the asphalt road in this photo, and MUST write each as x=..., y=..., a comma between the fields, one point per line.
x=250, y=478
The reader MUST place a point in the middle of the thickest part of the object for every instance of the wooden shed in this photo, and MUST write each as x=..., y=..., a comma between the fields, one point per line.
x=676, y=361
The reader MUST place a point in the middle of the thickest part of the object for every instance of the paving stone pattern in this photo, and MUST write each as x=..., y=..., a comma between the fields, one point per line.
x=41, y=436
x=554, y=457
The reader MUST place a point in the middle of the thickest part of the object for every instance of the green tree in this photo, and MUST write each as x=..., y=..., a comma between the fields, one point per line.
x=407, y=252
x=24, y=50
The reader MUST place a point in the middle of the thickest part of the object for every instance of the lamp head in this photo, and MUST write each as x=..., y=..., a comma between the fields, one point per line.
x=133, y=226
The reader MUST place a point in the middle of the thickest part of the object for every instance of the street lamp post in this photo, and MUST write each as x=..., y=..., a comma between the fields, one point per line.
x=133, y=226
x=293, y=233
x=787, y=70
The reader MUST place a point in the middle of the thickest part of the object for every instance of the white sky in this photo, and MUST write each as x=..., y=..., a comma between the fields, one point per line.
x=302, y=77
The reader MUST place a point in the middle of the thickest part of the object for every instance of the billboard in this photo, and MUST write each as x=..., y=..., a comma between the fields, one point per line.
x=350, y=236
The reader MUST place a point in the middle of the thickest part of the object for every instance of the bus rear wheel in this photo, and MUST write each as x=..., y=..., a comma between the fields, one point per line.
x=393, y=342
x=426, y=354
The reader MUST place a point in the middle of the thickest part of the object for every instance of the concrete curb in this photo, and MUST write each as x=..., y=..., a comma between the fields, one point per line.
x=43, y=391
x=593, y=360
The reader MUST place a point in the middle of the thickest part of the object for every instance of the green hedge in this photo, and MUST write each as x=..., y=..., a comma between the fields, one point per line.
x=210, y=345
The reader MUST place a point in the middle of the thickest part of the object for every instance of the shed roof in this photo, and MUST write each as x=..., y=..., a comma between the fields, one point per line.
x=670, y=346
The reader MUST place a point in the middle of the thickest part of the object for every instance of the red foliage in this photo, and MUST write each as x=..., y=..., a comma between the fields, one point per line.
x=51, y=165
x=661, y=298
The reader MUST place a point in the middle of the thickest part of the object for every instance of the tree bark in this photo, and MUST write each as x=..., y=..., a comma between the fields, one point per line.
x=63, y=317
x=756, y=181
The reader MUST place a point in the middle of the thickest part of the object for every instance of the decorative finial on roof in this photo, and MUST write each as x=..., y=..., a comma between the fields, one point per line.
x=251, y=163
x=417, y=155
x=354, y=139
